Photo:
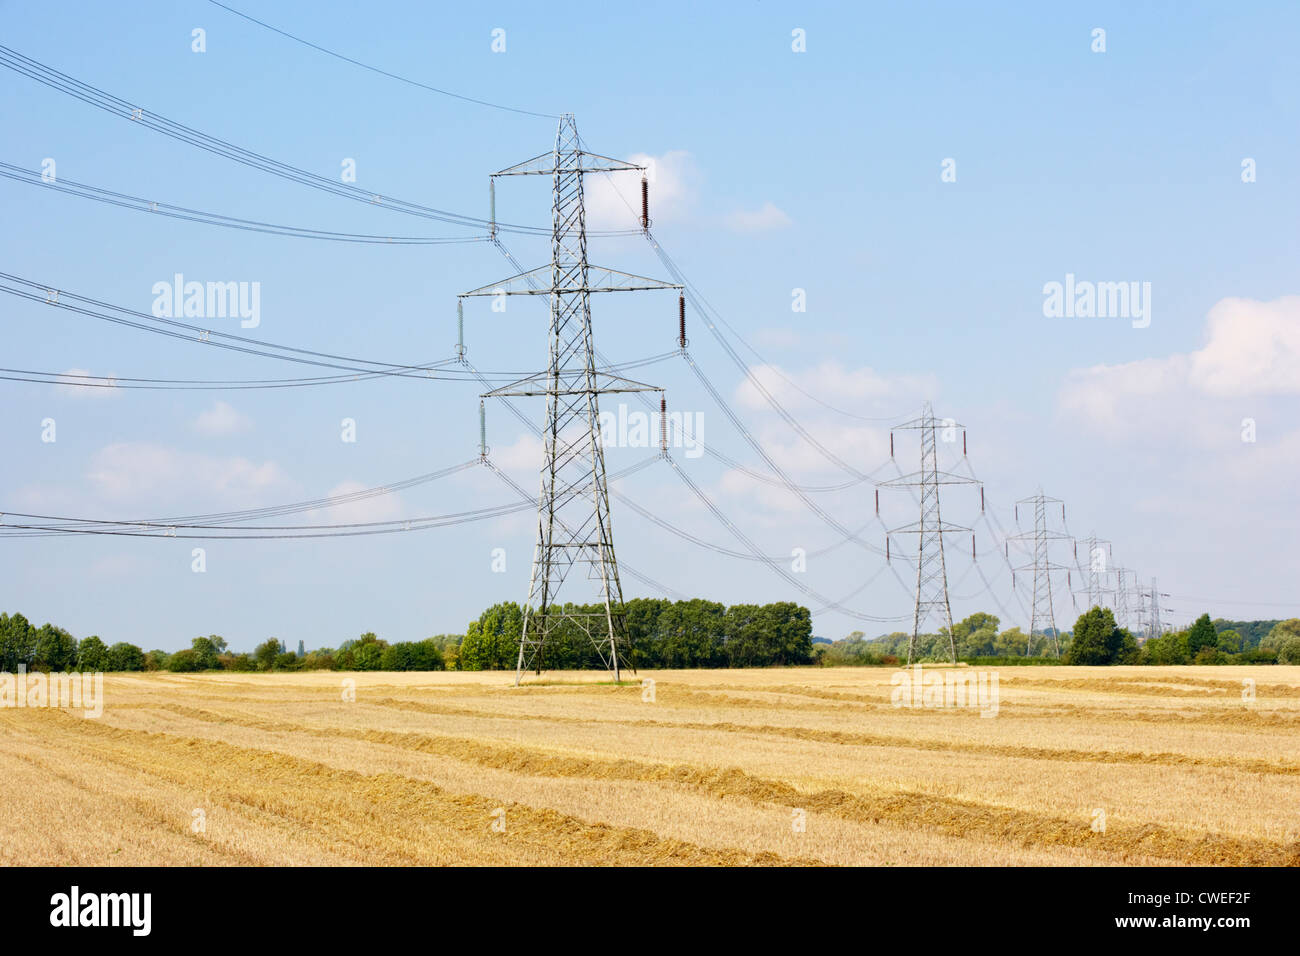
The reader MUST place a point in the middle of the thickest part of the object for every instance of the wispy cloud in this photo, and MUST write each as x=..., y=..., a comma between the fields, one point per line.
x=221, y=419
x=765, y=218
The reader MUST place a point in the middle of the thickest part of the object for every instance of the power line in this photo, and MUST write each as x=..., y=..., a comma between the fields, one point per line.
x=707, y=309
x=156, y=208
x=381, y=72
x=71, y=379
x=48, y=294
x=54, y=296
x=108, y=102
x=252, y=514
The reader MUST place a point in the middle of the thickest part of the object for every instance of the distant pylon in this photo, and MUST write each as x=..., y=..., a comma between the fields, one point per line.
x=931, y=568
x=1042, y=619
x=1095, y=573
x=1124, y=592
x=573, y=516
x=1156, y=627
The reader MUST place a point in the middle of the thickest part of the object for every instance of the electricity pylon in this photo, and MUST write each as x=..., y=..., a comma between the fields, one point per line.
x=1097, y=556
x=1043, y=617
x=573, y=518
x=1123, y=593
x=931, y=568
x=1154, y=627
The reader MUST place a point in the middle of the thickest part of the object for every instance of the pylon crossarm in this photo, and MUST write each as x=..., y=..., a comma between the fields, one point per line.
x=597, y=279
x=916, y=528
x=569, y=382
x=917, y=478
x=544, y=164
x=507, y=286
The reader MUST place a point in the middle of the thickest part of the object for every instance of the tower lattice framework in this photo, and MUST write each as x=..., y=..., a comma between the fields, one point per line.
x=574, y=528
x=931, y=565
x=1042, y=617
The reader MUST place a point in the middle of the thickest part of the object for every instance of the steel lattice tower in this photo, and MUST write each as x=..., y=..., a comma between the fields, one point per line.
x=931, y=568
x=1043, y=616
x=574, y=529
x=1156, y=628
x=1123, y=614
x=1096, y=588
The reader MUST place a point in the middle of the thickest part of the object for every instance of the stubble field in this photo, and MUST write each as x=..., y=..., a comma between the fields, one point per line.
x=787, y=766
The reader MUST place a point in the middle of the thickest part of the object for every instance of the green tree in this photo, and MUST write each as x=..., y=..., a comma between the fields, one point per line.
x=492, y=642
x=396, y=657
x=17, y=642
x=321, y=659
x=642, y=620
x=977, y=635
x=1230, y=641
x=427, y=655
x=367, y=652
x=1252, y=632
x=1284, y=641
x=692, y=634
x=1166, y=649
x=182, y=662
x=207, y=657
x=1201, y=634
x=156, y=661
x=1096, y=639
x=854, y=651
x=265, y=654
x=92, y=655
x=125, y=657
x=54, y=649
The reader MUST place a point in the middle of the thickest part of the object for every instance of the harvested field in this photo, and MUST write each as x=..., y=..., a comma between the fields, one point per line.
x=787, y=766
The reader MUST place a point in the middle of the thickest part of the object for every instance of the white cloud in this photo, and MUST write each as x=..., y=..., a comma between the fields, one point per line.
x=613, y=200
x=859, y=391
x=221, y=419
x=1253, y=348
x=524, y=452
x=68, y=385
x=387, y=507
x=121, y=565
x=139, y=471
x=790, y=337
x=1119, y=398
x=766, y=217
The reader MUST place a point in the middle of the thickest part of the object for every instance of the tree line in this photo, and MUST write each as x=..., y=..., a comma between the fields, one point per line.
x=1095, y=639
x=665, y=634
x=661, y=634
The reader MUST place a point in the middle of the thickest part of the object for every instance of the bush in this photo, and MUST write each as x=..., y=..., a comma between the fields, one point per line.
x=322, y=660
x=183, y=662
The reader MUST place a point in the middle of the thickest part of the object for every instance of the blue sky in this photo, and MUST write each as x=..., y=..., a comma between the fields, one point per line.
x=778, y=170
